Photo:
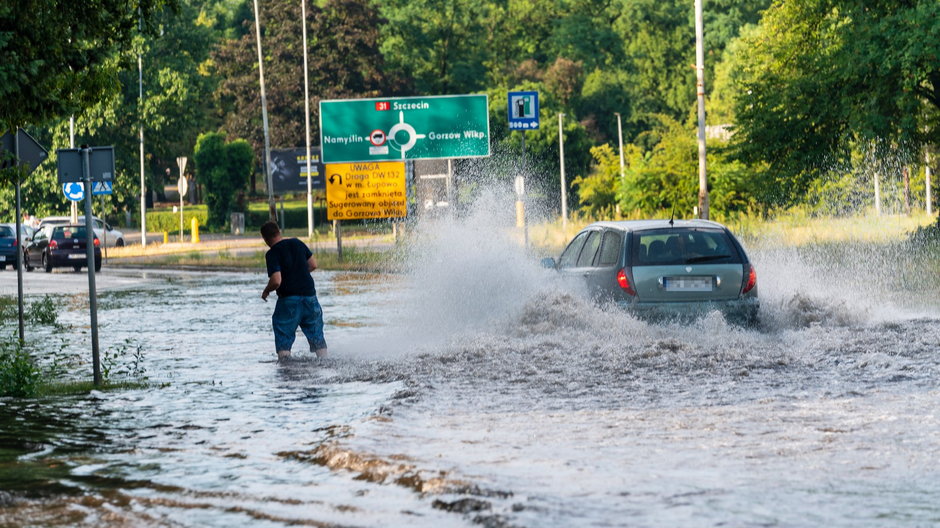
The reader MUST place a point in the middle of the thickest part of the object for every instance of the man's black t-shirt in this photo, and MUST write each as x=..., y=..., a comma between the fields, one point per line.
x=289, y=256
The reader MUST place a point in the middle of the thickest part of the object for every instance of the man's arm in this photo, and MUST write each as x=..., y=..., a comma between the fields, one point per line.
x=273, y=282
x=312, y=263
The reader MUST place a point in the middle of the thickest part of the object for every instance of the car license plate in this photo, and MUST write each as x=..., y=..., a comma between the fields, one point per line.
x=685, y=284
x=76, y=256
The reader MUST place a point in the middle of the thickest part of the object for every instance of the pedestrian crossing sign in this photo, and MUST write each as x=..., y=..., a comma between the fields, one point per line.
x=102, y=187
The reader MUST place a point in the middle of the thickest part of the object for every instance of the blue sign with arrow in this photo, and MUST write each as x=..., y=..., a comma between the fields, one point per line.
x=74, y=191
x=523, y=110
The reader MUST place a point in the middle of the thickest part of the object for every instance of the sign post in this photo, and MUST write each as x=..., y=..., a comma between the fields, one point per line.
x=29, y=153
x=87, y=165
x=523, y=113
x=182, y=186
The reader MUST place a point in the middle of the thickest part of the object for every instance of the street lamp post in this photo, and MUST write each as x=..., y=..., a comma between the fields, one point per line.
x=561, y=155
x=272, y=213
x=700, y=91
x=303, y=13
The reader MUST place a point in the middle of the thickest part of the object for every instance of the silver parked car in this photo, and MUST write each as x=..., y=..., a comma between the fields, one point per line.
x=104, y=231
x=663, y=268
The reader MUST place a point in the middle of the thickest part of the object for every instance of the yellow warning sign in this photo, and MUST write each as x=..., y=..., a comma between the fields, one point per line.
x=365, y=190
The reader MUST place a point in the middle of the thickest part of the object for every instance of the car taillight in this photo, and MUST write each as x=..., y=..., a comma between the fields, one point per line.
x=97, y=242
x=53, y=244
x=624, y=282
x=751, y=279
x=15, y=242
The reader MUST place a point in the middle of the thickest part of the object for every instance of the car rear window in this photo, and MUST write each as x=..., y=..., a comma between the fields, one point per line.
x=6, y=232
x=61, y=233
x=665, y=247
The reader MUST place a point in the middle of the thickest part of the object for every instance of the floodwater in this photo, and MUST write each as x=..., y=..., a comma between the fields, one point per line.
x=477, y=390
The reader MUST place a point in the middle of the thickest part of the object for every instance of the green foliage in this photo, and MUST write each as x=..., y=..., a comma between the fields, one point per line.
x=224, y=169
x=59, y=57
x=44, y=311
x=19, y=376
x=598, y=191
x=170, y=222
x=821, y=76
x=125, y=360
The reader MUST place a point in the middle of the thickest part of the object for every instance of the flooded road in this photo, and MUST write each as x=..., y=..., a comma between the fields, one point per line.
x=477, y=390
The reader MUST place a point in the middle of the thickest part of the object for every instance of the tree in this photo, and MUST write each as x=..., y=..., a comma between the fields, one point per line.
x=344, y=61
x=59, y=57
x=224, y=169
x=439, y=43
x=821, y=78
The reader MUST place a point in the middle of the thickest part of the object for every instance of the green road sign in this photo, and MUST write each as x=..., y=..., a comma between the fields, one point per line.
x=403, y=128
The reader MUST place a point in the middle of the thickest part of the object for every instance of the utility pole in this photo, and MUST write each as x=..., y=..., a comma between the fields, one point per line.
x=700, y=91
x=561, y=155
x=140, y=116
x=272, y=212
x=927, y=181
x=303, y=17
x=620, y=141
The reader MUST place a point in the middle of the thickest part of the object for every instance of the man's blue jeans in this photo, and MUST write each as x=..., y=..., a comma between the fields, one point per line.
x=291, y=312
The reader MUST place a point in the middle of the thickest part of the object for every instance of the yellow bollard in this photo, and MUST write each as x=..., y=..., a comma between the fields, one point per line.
x=194, y=228
x=166, y=237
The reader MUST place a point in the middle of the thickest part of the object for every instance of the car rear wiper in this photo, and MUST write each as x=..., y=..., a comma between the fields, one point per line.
x=706, y=258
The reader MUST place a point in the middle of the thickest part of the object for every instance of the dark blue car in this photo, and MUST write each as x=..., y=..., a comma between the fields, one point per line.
x=9, y=245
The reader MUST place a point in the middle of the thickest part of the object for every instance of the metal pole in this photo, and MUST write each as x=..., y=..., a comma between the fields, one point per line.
x=877, y=194
x=272, y=213
x=337, y=227
x=181, y=215
x=564, y=194
x=927, y=181
x=143, y=182
x=525, y=218
x=19, y=229
x=700, y=92
x=303, y=12
x=90, y=254
x=450, y=186
x=620, y=141
x=74, y=207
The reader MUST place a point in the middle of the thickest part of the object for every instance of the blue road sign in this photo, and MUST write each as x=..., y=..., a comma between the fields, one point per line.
x=101, y=187
x=523, y=110
x=74, y=191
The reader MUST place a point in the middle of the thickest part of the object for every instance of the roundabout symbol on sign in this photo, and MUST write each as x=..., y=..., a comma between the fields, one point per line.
x=377, y=138
x=74, y=191
x=401, y=126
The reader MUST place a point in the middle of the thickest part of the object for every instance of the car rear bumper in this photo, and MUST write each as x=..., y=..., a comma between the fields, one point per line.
x=62, y=258
x=740, y=311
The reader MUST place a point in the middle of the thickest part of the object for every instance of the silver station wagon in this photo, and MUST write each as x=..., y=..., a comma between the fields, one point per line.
x=664, y=269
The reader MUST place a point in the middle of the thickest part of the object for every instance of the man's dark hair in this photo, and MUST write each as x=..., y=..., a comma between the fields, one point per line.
x=270, y=230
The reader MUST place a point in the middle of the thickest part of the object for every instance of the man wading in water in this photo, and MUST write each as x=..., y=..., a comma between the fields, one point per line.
x=289, y=264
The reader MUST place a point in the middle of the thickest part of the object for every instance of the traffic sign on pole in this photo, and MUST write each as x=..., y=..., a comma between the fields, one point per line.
x=523, y=110
x=30, y=152
x=102, y=187
x=404, y=128
x=365, y=190
x=101, y=160
x=74, y=191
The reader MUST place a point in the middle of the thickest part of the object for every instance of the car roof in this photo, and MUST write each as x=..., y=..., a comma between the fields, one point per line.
x=642, y=225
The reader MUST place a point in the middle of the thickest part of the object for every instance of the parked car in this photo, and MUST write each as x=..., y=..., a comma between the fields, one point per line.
x=103, y=230
x=9, y=245
x=660, y=268
x=55, y=246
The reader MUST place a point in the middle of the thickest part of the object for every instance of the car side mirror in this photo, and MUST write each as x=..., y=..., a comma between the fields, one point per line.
x=108, y=227
x=548, y=262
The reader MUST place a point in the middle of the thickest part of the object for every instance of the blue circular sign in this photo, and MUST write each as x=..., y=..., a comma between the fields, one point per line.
x=74, y=191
